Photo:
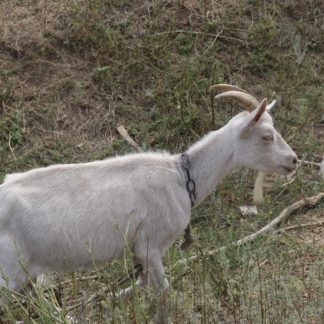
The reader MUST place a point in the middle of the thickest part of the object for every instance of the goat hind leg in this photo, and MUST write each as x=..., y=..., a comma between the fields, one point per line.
x=12, y=274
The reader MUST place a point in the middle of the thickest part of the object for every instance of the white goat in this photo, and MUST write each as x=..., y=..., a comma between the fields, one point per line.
x=68, y=217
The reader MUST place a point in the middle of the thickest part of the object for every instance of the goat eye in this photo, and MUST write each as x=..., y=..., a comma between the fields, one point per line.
x=267, y=138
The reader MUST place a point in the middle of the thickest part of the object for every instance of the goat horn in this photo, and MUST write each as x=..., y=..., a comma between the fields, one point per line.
x=225, y=87
x=245, y=99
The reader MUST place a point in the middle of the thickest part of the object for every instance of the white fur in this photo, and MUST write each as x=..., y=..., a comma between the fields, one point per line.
x=12, y=176
x=68, y=217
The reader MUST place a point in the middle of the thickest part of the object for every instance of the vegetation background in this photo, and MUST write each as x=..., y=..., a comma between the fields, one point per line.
x=71, y=71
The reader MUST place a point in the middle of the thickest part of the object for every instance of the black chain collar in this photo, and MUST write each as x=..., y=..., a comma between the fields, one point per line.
x=190, y=184
x=191, y=188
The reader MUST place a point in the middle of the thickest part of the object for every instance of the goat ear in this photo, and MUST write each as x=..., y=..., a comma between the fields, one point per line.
x=255, y=115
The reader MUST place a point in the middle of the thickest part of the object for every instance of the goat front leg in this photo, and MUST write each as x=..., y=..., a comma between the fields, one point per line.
x=160, y=284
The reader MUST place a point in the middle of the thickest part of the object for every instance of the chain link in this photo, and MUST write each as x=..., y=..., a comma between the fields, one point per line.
x=190, y=184
x=191, y=188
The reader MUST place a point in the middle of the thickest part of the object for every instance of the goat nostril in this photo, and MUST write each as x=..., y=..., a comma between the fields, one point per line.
x=294, y=160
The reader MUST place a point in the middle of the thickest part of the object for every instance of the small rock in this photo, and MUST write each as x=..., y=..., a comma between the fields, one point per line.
x=248, y=210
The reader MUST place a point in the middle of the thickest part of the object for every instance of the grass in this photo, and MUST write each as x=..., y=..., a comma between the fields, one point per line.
x=72, y=71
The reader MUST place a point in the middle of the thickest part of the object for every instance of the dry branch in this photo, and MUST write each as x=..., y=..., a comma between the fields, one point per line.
x=104, y=293
x=123, y=132
x=310, y=163
x=289, y=228
x=283, y=216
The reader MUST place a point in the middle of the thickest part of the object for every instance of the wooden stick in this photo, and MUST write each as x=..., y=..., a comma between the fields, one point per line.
x=123, y=132
x=283, y=216
x=105, y=291
x=289, y=228
x=310, y=163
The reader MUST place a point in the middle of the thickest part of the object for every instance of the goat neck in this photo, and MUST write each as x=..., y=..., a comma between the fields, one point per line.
x=211, y=159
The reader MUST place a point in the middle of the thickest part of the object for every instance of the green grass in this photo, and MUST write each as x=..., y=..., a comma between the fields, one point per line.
x=66, y=85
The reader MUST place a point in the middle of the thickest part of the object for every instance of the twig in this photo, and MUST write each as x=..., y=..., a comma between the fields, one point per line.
x=310, y=163
x=11, y=150
x=196, y=33
x=283, y=216
x=98, y=296
x=289, y=228
x=214, y=41
x=95, y=297
x=212, y=102
x=291, y=178
x=123, y=132
x=83, y=278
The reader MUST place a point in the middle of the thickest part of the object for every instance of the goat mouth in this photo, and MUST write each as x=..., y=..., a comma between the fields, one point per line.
x=288, y=169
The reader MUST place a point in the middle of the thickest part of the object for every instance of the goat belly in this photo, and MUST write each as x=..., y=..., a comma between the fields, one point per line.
x=60, y=233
